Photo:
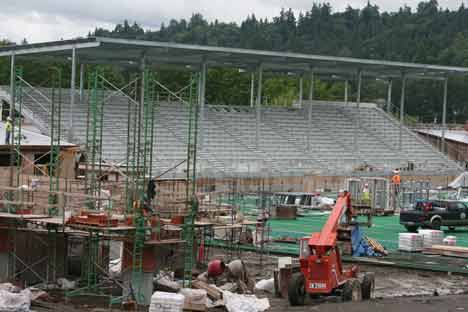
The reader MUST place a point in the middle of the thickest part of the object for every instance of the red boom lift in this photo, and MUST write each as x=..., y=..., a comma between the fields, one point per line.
x=322, y=272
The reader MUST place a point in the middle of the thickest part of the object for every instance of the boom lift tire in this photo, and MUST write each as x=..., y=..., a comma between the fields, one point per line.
x=351, y=290
x=296, y=289
x=368, y=286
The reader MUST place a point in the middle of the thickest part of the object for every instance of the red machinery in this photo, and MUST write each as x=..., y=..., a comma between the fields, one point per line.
x=322, y=272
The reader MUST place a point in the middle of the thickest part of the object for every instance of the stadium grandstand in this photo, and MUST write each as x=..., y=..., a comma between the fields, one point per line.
x=311, y=138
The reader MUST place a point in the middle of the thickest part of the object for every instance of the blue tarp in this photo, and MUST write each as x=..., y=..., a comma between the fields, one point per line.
x=360, y=245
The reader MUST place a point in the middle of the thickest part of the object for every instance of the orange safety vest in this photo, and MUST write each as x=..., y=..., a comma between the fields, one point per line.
x=396, y=179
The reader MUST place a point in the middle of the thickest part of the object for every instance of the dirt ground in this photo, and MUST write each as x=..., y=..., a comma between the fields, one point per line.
x=401, y=304
x=395, y=290
x=389, y=282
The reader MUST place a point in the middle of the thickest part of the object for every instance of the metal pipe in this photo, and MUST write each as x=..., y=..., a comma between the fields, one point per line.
x=346, y=86
x=402, y=112
x=202, y=104
x=72, y=91
x=252, y=89
x=258, y=105
x=81, y=81
x=444, y=114
x=309, y=113
x=12, y=84
x=358, y=116
x=389, y=95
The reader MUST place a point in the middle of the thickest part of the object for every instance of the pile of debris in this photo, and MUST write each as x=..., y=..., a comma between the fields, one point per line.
x=15, y=299
x=222, y=285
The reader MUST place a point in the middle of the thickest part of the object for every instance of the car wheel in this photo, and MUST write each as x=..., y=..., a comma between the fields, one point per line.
x=368, y=286
x=296, y=289
x=352, y=290
x=411, y=228
x=436, y=224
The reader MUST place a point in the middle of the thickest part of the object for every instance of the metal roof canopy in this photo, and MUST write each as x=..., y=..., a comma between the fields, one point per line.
x=105, y=50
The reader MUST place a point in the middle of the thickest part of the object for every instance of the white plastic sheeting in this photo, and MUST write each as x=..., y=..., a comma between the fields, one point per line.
x=244, y=303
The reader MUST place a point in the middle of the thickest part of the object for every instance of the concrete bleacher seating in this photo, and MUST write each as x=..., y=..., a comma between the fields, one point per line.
x=228, y=146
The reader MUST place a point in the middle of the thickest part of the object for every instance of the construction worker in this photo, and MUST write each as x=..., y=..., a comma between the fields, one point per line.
x=396, y=180
x=366, y=194
x=8, y=130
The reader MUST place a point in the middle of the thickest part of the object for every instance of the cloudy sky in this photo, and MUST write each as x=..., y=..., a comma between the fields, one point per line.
x=44, y=20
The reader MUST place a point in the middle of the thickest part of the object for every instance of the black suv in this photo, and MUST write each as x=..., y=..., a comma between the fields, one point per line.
x=434, y=214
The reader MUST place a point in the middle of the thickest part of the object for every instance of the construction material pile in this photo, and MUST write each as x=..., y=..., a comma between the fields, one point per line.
x=222, y=285
x=364, y=246
x=431, y=237
x=410, y=242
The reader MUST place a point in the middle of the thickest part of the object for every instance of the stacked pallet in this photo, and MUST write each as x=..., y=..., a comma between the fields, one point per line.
x=450, y=251
x=410, y=242
x=431, y=237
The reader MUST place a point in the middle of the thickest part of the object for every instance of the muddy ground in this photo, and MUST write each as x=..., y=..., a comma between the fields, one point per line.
x=389, y=282
x=402, y=304
x=396, y=290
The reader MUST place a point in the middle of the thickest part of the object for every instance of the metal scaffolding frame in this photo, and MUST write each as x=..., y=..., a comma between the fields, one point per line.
x=55, y=134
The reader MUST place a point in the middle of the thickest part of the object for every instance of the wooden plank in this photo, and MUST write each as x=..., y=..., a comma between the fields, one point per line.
x=21, y=216
x=212, y=292
x=16, y=203
x=194, y=307
x=449, y=248
x=164, y=242
x=448, y=251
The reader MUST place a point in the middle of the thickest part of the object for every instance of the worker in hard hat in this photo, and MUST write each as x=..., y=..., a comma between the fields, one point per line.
x=396, y=180
x=8, y=130
x=366, y=194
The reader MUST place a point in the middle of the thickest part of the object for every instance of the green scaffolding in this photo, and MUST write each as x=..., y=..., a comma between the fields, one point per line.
x=191, y=200
x=144, y=167
x=15, y=139
x=94, y=138
x=55, y=133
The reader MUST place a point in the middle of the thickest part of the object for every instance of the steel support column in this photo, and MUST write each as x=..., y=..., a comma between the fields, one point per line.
x=346, y=86
x=358, y=116
x=444, y=115
x=402, y=114
x=389, y=95
x=301, y=88
x=202, y=92
x=309, y=111
x=12, y=85
x=258, y=105
x=81, y=81
x=252, y=89
x=72, y=93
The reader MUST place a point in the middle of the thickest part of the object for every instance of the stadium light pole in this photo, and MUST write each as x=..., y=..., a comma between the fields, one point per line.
x=444, y=114
x=72, y=92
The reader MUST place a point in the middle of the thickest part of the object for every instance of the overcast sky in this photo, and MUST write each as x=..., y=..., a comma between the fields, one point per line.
x=44, y=20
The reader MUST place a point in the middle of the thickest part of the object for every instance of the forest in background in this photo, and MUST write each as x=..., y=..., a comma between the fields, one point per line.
x=425, y=34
